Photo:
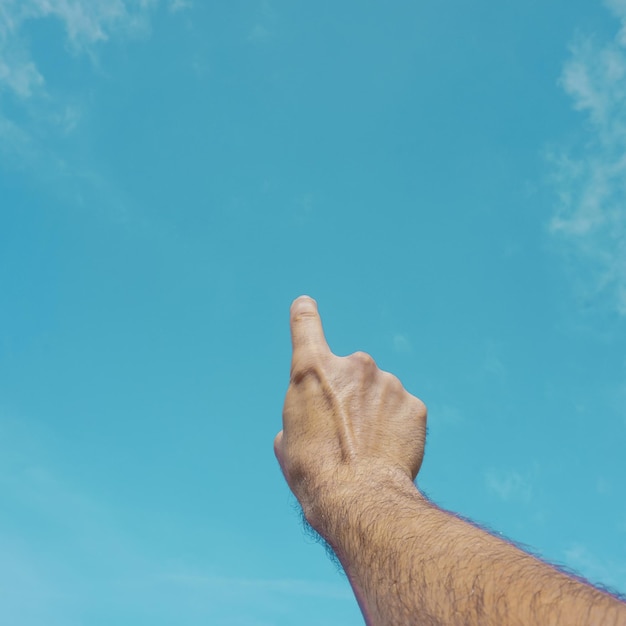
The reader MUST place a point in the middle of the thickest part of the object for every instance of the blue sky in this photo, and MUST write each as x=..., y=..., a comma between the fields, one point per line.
x=447, y=180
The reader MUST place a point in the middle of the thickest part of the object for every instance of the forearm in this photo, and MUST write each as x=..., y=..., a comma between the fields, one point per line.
x=412, y=563
x=352, y=441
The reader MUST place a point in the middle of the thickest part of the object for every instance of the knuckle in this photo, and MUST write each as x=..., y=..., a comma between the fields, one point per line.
x=306, y=369
x=392, y=383
x=363, y=359
x=390, y=380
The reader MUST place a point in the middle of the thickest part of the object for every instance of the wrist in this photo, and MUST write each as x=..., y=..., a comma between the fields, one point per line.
x=351, y=496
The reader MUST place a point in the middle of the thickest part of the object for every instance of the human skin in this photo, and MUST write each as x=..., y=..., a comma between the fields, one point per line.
x=351, y=447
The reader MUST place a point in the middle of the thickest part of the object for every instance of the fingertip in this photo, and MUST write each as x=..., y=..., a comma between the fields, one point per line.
x=303, y=304
x=307, y=334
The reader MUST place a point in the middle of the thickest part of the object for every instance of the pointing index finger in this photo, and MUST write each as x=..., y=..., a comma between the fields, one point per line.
x=307, y=334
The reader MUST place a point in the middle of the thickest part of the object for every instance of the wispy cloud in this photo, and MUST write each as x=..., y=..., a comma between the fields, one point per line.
x=597, y=570
x=290, y=587
x=38, y=116
x=510, y=485
x=33, y=112
x=59, y=526
x=179, y=5
x=85, y=22
x=590, y=177
x=67, y=551
x=446, y=414
x=262, y=31
x=402, y=343
x=259, y=34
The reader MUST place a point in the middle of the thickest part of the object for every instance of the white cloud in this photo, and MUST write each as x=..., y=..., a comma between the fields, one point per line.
x=597, y=570
x=509, y=485
x=85, y=22
x=492, y=364
x=35, y=113
x=590, y=179
x=180, y=5
x=21, y=77
x=259, y=34
x=401, y=343
x=262, y=31
x=445, y=414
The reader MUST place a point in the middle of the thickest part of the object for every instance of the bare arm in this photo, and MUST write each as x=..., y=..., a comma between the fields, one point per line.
x=351, y=446
x=412, y=563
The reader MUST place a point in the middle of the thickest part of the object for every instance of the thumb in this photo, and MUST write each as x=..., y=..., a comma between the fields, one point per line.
x=278, y=448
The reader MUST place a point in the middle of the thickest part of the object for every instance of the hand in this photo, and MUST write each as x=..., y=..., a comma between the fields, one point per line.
x=345, y=422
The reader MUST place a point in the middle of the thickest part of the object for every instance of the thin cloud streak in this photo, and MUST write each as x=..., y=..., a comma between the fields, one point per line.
x=590, y=179
x=180, y=5
x=76, y=527
x=509, y=485
x=288, y=587
x=581, y=558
